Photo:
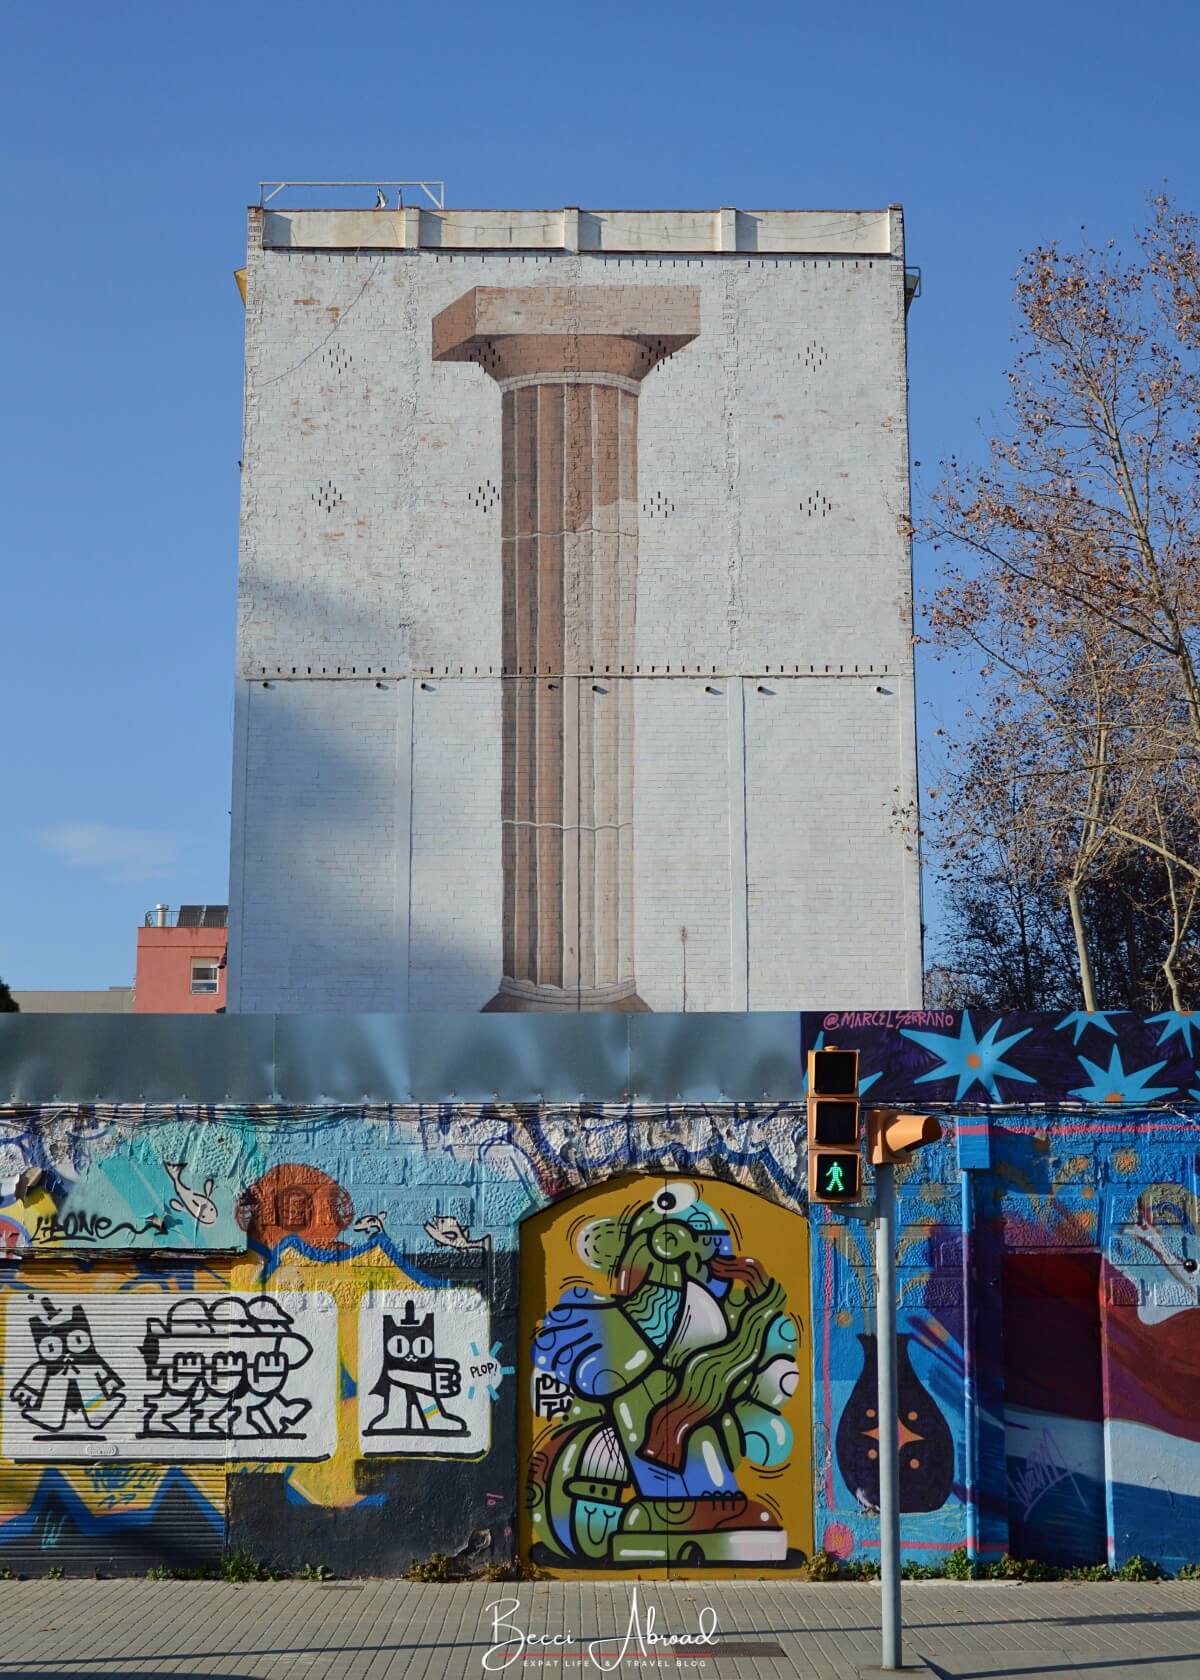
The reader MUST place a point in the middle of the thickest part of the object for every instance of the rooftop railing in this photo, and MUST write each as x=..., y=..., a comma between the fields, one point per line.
x=434, y=191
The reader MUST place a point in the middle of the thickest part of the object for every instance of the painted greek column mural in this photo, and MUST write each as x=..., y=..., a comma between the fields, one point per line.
x=666, y=1426
x=569, y=361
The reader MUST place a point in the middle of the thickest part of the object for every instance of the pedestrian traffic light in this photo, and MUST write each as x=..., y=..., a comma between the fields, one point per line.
x=892, y=1136
x=834, y=1126
x=834, y=1175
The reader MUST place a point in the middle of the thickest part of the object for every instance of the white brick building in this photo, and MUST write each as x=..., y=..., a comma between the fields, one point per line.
x=574, y=652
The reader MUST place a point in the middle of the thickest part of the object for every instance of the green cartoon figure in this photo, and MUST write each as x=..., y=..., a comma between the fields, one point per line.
x=658, y=1390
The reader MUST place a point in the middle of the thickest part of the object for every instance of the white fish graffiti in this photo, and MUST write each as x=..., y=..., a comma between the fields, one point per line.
x=198, y=1203
x=449, y=1232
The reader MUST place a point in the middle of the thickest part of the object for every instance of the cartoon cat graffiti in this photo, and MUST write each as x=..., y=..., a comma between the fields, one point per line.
x=69, y=1383
x=412, y=1382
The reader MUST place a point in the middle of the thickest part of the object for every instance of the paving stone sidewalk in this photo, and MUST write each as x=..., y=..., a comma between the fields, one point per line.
x=382, y=1630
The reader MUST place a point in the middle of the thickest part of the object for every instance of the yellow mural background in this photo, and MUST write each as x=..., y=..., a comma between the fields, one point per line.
x=761, y=1230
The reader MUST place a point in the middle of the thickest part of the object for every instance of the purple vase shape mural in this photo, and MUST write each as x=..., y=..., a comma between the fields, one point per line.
x=926, y=1446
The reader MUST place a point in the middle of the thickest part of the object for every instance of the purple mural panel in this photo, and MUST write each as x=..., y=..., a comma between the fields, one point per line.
x=979, y=1057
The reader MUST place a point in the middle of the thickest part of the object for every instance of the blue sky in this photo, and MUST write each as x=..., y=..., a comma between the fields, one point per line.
x=135, y=136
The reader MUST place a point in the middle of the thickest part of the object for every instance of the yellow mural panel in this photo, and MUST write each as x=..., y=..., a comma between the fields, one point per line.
x=665, y=1407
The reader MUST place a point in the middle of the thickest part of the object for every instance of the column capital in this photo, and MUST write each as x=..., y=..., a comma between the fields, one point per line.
x=514, y=330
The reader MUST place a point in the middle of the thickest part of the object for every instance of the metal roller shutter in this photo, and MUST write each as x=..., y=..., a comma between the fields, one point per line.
x=87, y=1481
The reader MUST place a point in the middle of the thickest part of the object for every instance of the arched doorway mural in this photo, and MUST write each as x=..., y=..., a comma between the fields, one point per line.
x=665, y=1421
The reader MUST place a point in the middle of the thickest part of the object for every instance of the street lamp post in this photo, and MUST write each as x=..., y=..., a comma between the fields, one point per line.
x=888, y=1413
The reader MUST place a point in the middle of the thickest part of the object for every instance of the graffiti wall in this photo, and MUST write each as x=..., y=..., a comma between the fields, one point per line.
x=611, y=1336
x=117, y=1375
x=665, y=1425
x=931, y=1369
x=330, y=1373
x=1049, y=1377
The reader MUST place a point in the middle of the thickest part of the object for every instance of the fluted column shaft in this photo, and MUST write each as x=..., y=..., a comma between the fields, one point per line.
x=569, y=558
x=569, y=362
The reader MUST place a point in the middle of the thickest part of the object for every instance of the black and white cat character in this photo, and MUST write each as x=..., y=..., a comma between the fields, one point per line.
x=69, y=1384
x=412, y=1383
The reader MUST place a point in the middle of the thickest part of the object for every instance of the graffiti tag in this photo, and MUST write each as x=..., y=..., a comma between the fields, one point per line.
x=1045, y=1468
x=80, y=1226
x=847, y=1018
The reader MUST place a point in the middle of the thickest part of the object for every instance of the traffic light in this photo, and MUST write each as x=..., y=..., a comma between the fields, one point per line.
x=834, y=1126
x=893, y=1137
x=834, y=1175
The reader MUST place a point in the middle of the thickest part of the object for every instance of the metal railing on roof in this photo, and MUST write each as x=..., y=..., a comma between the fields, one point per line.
x=435, y=191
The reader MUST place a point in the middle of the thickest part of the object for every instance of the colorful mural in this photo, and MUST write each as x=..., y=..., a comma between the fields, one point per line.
x=979, y=1057
x=315, y=1331
x=666, y=1420
x=926, y=1450
x=931, y=1372
x=242, y=1369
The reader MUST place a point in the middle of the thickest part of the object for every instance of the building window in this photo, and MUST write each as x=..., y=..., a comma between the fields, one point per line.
x=204, y=977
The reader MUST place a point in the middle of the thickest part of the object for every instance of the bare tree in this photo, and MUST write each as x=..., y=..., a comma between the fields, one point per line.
x=1072, y=579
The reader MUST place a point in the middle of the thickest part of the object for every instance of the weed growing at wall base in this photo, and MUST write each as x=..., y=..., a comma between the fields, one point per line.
x=512, y=1569
x=436, y=1567
x=957, y=1566
x=240, y=1567
x=236, y=1567
x=1138, y=1568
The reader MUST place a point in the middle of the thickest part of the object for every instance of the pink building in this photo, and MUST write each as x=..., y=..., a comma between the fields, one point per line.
x=181, y=967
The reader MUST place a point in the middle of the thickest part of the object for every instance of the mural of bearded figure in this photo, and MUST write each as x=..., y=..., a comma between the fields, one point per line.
x=659, y=1390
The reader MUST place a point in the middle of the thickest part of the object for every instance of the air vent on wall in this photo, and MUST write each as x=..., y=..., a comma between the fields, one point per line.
x=657, y=506
x=327, y=497
x=484, y=495
x=817, y=505
x=812, y=356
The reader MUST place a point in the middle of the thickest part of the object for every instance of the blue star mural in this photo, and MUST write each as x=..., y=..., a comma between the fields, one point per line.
x=1114, y=1085
x=1082, y=1019
x=971, y=1060
x=1181, y=1021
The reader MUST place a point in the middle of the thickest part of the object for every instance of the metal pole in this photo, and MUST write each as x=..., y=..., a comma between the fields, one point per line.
x=888, y=1413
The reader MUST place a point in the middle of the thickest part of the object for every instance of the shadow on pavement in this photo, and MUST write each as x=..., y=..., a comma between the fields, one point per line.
x=1088, y=1665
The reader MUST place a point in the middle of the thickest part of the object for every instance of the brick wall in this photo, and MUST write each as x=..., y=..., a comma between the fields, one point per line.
x=772, y=480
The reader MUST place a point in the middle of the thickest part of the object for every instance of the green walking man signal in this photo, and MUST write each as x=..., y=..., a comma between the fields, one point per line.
x=838, y=1175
